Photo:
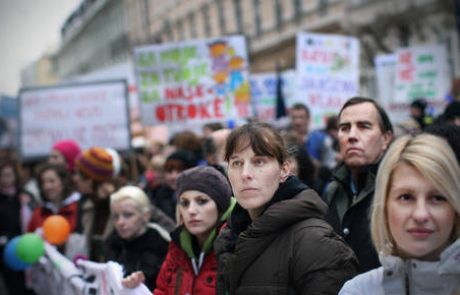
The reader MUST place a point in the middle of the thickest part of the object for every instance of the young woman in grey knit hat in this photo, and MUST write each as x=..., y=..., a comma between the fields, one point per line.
x=204, y=203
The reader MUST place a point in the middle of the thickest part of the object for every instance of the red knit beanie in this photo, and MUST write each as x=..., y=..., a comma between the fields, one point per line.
x=95, y=163
x=69, y=149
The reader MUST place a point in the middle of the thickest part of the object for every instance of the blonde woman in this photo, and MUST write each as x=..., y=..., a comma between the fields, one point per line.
x=415, y=221
x=136, y=244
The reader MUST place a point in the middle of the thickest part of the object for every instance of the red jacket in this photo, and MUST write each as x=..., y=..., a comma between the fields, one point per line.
x=176, y=275
x=69, y=211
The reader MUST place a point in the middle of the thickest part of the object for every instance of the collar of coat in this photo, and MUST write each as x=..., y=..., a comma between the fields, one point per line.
x=184, y=239
x=292, y=203
x=422, y=275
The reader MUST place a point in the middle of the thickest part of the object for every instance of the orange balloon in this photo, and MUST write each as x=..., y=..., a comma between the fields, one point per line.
x=56, y=229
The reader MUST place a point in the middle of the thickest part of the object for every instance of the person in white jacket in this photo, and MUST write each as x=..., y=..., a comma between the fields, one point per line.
x=415, y=221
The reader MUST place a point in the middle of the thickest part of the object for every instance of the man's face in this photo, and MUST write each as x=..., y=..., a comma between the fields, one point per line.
x=361, y=139
x=300, y=120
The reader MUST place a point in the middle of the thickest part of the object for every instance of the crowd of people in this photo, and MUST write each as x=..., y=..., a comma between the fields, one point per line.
x=360, y=207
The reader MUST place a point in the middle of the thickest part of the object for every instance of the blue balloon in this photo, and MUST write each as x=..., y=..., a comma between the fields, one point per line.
x=11, y=258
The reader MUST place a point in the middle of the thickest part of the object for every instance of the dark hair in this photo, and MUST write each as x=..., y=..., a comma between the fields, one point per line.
x=450, y=132
x=62, y=173
x=332, y=123
x=384, y=121
x=301, y=106
x=11, y=163
x=452, y=111
x=261, y=137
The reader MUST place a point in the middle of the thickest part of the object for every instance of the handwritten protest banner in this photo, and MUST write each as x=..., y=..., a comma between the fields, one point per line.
x=193, y=82
x=410, y=73
x=421, y=71
x=263, y=93
x=327, y=71
x=93, y=114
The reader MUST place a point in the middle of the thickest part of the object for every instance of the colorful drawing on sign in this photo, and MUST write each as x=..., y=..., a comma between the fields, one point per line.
x=193, y=82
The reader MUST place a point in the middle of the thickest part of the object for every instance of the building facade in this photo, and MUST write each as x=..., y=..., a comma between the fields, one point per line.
x=93, y=37
x=102, y=33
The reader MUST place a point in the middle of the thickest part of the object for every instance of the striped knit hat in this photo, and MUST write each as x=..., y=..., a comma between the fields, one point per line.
x=96, y=164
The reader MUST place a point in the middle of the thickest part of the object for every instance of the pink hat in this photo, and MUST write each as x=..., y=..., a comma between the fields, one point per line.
x=69, y=149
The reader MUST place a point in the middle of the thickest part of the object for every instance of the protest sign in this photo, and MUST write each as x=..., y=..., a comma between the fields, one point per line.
x=263, y=93
x=193, y=82
x=421, y=72
x=327, y=71
x=411, y=73
x=93, y=114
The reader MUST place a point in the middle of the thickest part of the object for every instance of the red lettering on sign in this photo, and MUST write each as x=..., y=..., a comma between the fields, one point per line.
x=184, y=92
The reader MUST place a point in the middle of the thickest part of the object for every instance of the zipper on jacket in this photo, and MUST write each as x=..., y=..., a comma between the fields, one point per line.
x=407, y=271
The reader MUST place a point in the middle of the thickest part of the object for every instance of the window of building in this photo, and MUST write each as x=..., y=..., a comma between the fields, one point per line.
x=220, y=10
x=167, y=30
x=323, y=7
x=279, y=14
x=238, y=16
x=297, y=9
x=257, y=19
x=206, y=20
x=180, y=30
x=192, y=22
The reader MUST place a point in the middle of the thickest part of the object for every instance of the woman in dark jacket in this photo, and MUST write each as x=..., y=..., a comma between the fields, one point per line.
x=277, y=241
x=136, y=244
x=13, y=205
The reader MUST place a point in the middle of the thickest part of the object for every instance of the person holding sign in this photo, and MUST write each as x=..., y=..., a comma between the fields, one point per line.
x=415, y=221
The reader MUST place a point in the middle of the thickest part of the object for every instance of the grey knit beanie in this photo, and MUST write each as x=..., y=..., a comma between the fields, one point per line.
x=208, y=180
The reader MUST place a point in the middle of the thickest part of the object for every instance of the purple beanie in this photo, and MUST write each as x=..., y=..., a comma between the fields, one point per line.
x=208, y=180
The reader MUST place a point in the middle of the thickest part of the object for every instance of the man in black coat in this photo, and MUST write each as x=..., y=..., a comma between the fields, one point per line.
x=365, y=133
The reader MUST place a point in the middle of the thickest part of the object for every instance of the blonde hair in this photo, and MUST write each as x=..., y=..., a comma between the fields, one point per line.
x=133, y=193
x=434, y=159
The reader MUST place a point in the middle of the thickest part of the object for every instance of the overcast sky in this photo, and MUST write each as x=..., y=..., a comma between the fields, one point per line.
x=27, y=29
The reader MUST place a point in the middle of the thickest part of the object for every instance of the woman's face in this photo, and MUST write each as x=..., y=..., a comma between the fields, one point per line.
x=52, y=186
x=420, y=218
x=7, y=177
x=56, y=157
x=198, y=212
x=172, y=170
x=128, y=220
x=254, y=178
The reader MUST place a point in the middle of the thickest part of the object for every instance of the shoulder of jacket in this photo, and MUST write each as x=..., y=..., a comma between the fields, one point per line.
x=370, y=282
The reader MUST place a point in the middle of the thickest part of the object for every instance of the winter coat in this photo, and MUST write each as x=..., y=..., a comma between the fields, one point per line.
x=144, y=253
x=424, y=277
x=10, y=217
x=354, y=225
x=186, y=272
x=288, y=249
x=68, y=210
x=177, y=276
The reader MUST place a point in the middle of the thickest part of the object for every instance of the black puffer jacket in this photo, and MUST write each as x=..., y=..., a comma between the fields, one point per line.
x=289, y=249
x=145, y=253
